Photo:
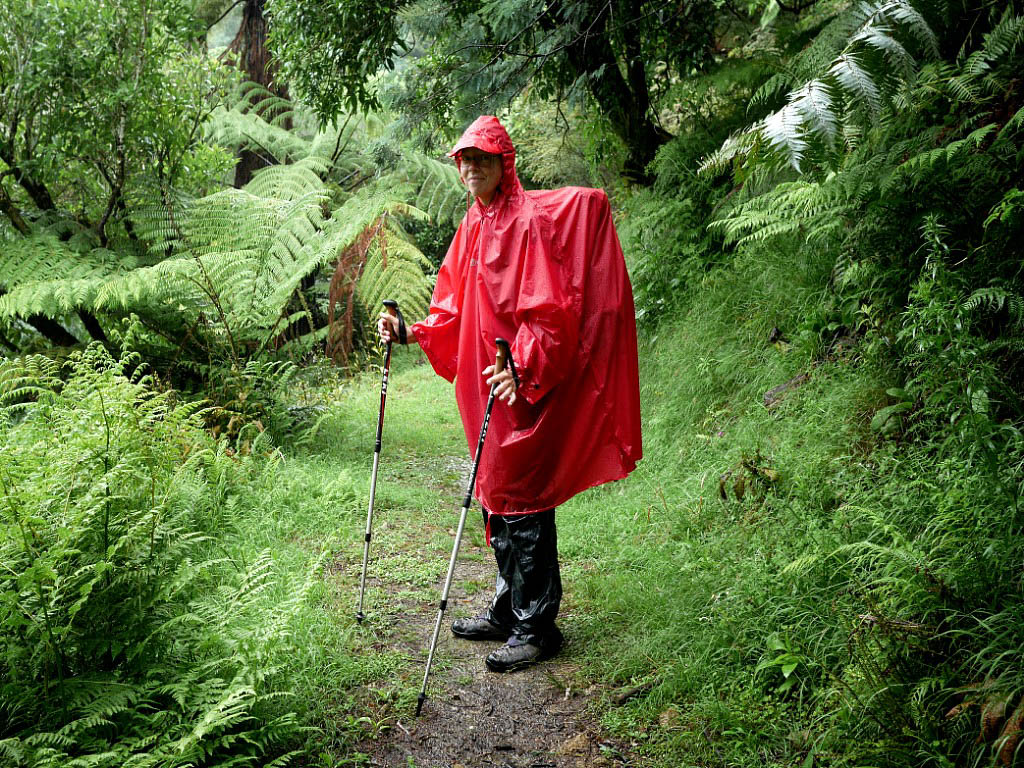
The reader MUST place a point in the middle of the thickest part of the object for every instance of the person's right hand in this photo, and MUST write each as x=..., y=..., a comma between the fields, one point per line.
x=387, y=329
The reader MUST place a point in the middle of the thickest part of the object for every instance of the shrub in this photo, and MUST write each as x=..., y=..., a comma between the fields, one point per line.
x=129, y=633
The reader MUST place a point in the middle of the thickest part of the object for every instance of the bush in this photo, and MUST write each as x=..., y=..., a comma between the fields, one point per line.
x=129, y=633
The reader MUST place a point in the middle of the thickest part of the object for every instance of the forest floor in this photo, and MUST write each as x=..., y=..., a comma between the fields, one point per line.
x=540, y=717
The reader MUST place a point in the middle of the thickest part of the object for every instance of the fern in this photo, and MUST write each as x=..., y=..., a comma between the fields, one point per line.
x=814, y=209
x=942, y=157
x=993, y=299
x=832, y=95
x=129, y=640
x=225, y=271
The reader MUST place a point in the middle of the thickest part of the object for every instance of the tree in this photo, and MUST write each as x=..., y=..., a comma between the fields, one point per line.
x=101, y=106
x=248, y=50
x=461, y=57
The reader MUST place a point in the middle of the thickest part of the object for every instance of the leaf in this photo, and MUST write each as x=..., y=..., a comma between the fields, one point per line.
x=884, y=421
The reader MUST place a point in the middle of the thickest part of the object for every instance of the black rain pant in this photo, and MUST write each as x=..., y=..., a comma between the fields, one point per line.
x=529, y=587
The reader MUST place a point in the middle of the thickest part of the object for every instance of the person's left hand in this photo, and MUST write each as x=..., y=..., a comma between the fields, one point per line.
x=506, y=389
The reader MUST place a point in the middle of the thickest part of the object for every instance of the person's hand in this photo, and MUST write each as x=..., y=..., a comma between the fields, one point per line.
x=387, y=329
x=506, y=384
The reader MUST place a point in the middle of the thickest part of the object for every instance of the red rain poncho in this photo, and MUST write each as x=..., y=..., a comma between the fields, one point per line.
x=543, y=269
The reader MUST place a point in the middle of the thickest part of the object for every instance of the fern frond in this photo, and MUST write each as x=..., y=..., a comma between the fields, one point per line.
x=436, y=188
x=900, y=12
x=812, y=209
x=737, y=146
x=993, y=299
x=849, y=74
x=772, y=88
x=820, y=110
x=290, y=182
x=27, y=378
x=881, y=38
x=783, y=131
x=919, y=166
x=813, y=102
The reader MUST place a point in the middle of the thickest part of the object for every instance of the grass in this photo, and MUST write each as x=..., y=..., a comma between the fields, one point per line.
x=780, y=586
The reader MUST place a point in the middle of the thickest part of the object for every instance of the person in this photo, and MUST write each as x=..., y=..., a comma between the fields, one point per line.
x=543, y=269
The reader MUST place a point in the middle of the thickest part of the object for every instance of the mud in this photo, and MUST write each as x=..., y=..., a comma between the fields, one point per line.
x=473, y=718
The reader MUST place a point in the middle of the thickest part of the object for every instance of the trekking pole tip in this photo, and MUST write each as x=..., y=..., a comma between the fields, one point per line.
x=419, y=703
x=359, y=617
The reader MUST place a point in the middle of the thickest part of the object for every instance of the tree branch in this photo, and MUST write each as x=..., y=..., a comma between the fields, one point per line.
x=796, y=8
x=223, y=15
x=8, y=207
x=38, y=192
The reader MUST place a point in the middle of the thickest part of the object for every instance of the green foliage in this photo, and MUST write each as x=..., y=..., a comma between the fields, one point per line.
x=227, y=276
x=859, y=278
x=130, y=633
x=831, y=110
x=332, y=50
x=101, y=105
x=442, y=62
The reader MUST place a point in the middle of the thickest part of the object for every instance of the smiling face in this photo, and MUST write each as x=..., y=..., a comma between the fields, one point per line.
x=480, y=172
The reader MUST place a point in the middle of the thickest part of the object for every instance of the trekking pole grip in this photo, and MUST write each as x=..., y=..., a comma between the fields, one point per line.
x=502, y=355
x=392, y=308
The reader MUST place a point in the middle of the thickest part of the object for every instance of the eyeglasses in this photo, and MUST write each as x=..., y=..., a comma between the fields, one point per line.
x=482, y=161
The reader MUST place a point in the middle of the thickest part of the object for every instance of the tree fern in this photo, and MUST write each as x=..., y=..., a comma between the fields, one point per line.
x=860, y=77
x=223, y=272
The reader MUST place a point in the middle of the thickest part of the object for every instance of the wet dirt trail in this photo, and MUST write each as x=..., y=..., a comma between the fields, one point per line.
x=540, y=717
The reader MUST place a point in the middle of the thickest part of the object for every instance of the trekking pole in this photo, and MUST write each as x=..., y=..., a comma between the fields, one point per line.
x=501, y=357
x=392, y=308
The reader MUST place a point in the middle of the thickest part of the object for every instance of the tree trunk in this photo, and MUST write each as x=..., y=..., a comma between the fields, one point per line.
x=38, y=192
x=625, y=103
x=53, y=331
x=92, y=325
x=250, y=45
x=8, y=343
x=8, y=208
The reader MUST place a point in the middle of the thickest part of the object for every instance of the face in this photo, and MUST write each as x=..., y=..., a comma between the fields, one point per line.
x=480, y=172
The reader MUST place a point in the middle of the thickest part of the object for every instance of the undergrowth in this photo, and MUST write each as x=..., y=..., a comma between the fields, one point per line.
x=152, y=610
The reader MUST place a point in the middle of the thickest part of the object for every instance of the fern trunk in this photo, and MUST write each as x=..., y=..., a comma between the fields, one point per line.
x=53, y=331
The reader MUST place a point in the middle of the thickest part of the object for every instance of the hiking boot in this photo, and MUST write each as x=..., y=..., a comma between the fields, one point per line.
x=478, y=628
x=511, y=657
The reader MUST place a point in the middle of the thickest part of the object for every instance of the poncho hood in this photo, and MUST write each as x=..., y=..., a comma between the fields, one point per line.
x=487, y=134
